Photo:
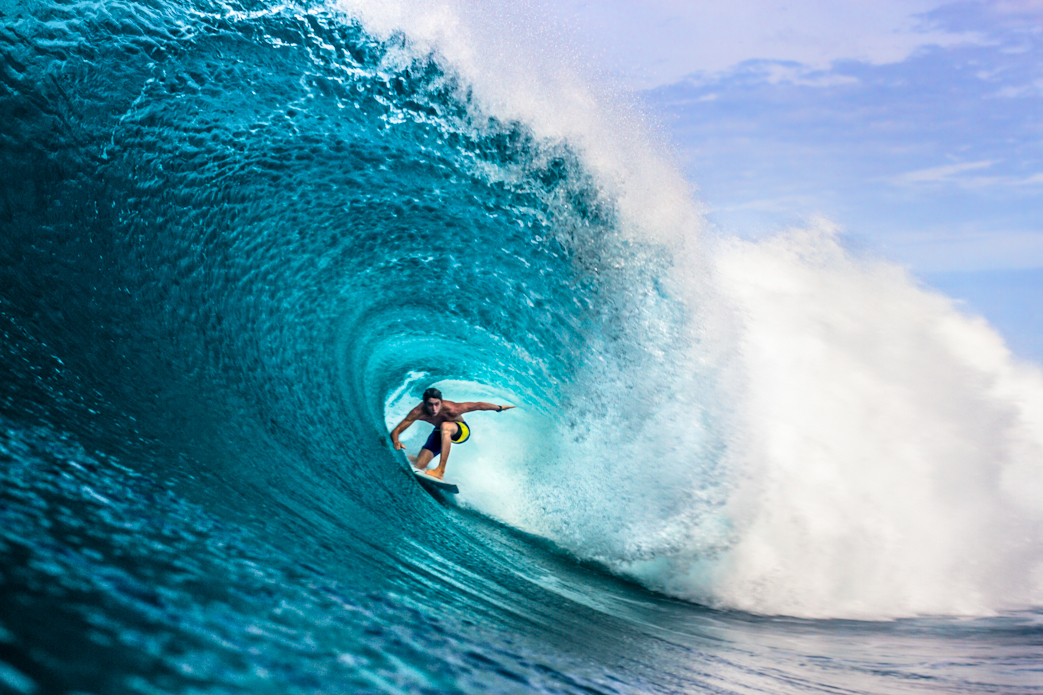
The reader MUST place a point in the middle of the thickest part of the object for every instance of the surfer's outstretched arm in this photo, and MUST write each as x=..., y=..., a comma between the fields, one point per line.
x=479, y=405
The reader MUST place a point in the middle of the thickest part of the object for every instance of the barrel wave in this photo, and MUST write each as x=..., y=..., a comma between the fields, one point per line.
x=240, y=239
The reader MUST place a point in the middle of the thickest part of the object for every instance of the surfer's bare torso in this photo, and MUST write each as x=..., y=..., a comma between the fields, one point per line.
x=449, y=412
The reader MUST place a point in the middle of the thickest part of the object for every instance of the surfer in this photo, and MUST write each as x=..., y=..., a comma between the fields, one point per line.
x=450, y=428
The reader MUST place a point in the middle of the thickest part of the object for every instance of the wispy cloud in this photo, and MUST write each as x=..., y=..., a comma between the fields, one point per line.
x=963, y=175
x=795, y=73
x=1021, y=91
x=939, y=174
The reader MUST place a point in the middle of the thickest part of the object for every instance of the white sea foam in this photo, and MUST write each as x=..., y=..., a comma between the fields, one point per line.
x=823, y=437
x=890, y=448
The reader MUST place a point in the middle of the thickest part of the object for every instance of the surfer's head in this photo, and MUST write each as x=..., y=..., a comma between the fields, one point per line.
x=432, y=401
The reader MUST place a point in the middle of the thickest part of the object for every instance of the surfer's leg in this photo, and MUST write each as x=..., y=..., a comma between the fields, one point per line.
x=448, y=430
x=431, y=448
x=423, y=459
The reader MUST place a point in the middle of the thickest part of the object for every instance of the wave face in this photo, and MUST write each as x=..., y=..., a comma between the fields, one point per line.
x=239, y=240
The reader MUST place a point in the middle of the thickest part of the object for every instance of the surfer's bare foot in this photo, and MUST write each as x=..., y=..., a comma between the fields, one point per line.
x=435, y=473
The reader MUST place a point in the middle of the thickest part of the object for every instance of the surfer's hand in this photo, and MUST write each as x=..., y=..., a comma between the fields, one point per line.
x=506, y=407
x=398, y=445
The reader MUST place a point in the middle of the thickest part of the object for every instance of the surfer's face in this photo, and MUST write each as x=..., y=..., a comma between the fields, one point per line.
x=432, y=406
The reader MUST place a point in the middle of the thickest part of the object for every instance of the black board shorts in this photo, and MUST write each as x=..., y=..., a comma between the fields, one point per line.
x=434, y=440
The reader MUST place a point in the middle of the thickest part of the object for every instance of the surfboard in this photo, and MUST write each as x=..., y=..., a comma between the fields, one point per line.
x=434, y=483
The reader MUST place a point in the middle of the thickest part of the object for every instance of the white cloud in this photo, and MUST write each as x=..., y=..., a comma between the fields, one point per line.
x=779, y=73
x=659, y=41
x=1031, y=90
x=940, y=174
x=958, y=174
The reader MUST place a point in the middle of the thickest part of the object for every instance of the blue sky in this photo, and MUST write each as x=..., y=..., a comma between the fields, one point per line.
x=917, y=126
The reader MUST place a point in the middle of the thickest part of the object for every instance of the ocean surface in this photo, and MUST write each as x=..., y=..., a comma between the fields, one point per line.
x=238, y=241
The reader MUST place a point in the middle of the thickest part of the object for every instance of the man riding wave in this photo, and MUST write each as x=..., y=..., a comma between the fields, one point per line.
x=450, y=428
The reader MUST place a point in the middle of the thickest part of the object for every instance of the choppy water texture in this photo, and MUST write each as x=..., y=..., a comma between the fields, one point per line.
x=238, y=241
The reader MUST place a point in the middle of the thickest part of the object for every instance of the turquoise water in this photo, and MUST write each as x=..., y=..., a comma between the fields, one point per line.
x=238, y=242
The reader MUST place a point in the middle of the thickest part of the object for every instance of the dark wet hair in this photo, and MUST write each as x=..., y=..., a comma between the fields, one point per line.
x=432, y=393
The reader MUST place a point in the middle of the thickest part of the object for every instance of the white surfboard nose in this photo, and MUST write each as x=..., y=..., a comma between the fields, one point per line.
x=432, y=483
